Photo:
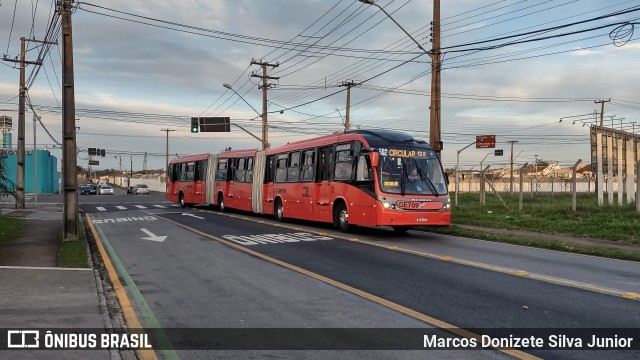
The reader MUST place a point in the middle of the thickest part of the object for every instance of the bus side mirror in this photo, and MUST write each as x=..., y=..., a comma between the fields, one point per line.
x=375, y=158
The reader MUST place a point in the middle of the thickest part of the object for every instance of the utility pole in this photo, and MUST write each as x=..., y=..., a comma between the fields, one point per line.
x=21, y=118
x=166, y=157
x=144, y=164
x=601, y=102
x=434, y=113
x=348, y=84
x=511, y=176
x=70, y=181
x=264, y=87
x=35, y=163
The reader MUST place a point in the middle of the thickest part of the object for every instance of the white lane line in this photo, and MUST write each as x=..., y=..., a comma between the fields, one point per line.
x=160, y=206
x=121, y=207
x=101, y=208
x=141, y=207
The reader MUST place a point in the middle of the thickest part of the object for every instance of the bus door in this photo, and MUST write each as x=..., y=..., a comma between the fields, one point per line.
x=199, y=181
x=269, y=176
x=307, y=169
x=231, y=184
x=324, y=189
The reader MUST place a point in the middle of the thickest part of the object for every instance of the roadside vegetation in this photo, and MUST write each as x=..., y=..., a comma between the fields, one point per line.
x=547, y=214
x=10, y=229
x=73, y=254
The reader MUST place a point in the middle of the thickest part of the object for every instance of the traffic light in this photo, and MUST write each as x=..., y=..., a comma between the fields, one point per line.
x=194, y=124
x=102, y=152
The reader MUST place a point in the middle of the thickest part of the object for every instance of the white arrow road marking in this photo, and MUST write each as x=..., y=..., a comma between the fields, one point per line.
x=195, y=216
x=160, y=206
x=121, y=207
x=140, y=207
x=101, y=208
x=152, y=236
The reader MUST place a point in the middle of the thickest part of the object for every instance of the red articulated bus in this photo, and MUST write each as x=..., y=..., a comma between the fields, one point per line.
x=358, y=177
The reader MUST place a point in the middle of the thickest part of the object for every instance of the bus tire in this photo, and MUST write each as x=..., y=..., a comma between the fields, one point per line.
x=341, y=217
x=278, y=210
x=181, y=200
x=221, y=202
x=401, y=229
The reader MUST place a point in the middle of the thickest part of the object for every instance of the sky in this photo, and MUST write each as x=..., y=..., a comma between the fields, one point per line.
x=511, y=68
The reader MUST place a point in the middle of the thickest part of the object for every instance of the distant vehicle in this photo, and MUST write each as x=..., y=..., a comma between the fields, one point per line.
x=87, y=190
x=131, y=189
x=141, y=189
x=105, y=190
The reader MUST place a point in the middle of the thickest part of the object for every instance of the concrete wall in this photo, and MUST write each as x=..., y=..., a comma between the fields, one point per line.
x=154, y=184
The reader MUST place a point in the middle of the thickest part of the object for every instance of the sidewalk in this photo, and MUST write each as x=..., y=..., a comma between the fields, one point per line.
x=37, y=294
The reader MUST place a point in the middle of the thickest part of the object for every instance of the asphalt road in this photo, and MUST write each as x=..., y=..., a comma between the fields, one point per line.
x=205, y=279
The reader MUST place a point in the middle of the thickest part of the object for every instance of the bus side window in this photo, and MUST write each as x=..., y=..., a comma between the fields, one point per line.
x=190, y=172
x=281, y=168
x=240, y=170
x=363, y=170
x=307, y=166
x=293, y=171
x=344, y=162
x=221, y=175
x=324, y=163
x=182, y=172
x=248, y=177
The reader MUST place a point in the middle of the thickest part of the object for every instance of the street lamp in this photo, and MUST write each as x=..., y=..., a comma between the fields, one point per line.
x=265, y=135
x=434, y=54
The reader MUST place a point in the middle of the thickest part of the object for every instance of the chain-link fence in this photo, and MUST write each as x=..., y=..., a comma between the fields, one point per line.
x=529, y=187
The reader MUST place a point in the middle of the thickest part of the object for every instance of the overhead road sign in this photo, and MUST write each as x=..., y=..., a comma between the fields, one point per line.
x=485, y=141
x=214, y=124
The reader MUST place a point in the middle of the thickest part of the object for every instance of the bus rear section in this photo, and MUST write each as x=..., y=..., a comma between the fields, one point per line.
x=187, y=180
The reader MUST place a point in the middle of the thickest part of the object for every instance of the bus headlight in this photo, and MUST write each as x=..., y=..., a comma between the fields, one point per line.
x=386, y=205
x=446, y=206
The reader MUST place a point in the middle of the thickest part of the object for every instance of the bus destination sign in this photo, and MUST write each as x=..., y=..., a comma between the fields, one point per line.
x=404, y=153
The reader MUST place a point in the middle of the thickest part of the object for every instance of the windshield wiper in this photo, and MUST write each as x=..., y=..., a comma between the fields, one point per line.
x=426, y=179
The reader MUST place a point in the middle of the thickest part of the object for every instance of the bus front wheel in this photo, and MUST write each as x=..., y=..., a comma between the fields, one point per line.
x=181, y=200
x=279, y=211
x=341, y=218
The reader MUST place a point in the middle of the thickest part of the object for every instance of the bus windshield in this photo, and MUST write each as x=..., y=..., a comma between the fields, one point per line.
x=411, y=171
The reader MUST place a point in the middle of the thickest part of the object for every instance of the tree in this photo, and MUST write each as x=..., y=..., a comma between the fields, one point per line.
x=7, y=187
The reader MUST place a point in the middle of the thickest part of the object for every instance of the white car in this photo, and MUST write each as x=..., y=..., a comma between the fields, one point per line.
x=141, y=189
x=105, y=190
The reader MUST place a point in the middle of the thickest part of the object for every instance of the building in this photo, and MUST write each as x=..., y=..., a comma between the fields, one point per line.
x=48, y=177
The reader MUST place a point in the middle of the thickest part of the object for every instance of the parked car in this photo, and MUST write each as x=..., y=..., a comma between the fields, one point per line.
x=87, y=190
x=131, y=189
x=105, y=190
x=141, y=189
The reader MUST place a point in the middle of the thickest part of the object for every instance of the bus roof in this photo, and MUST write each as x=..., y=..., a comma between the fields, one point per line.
x=237, y=153
x=374, y=138
x=189, y=158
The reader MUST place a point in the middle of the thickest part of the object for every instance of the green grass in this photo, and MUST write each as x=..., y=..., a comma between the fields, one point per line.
x=540, y=243
x=10, y=229
x=551, y=214
x=73, y=254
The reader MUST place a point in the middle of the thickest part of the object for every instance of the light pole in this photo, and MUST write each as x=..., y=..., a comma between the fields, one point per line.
x=457, y=171
x=536, y=165
x=434, y=54
x=265, y=135
x=633, y=123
